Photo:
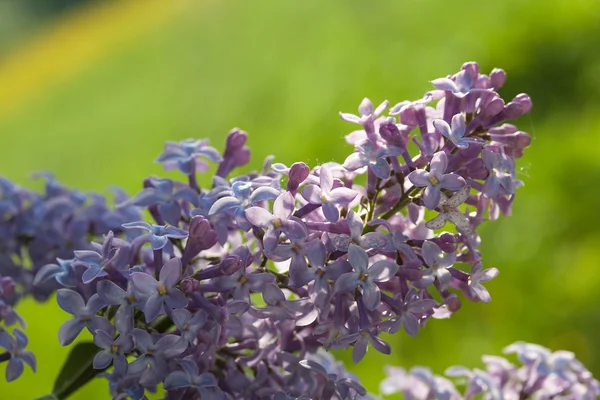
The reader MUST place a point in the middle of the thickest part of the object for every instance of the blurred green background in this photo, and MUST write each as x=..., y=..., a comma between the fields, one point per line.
x=90, y=90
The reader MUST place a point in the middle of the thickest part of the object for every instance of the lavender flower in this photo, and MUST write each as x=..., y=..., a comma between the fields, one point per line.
x=161, y=292
x=478, y=275
x=373, y=156
x=436, y=179
x=114, y=295
x=438, y=263
x=166, y=196
x=85, y=315
x=280, y=221
x=365, y=276
x=152, y=362
x=205, y=384
x=243, y=197
x=327, y=195
x=159, y=235
x=185, y=156
x=364, y=264
x=18, y=355
x=113, y=350
x=457, y=132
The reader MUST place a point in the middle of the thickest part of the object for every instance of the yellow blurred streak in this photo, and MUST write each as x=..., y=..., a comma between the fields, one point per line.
x=76, y=41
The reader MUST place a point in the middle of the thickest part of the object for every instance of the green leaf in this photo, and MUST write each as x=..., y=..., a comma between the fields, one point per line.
x=76, y=371
x=47, y=397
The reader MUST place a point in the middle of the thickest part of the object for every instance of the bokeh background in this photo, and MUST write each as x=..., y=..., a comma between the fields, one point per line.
x=90, y=90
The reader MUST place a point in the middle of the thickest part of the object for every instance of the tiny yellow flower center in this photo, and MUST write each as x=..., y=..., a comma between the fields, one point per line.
x=434, y=181
x=162, y=290
x=243, y=279
x=85, y=319
x=277, y=223
x=324, y=199
x=131, y=299
x=185, y=326
x=362, y=276
x=114, y=348
x=320, y=272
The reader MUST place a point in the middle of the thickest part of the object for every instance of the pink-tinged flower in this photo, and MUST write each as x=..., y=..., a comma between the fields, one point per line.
x=280, y=221
x=328, y=195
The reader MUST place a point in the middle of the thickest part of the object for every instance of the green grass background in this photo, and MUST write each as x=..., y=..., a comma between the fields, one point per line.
x=281, y=70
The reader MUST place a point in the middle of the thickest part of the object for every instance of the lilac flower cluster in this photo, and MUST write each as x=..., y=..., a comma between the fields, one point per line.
x=542, y=375
x=234, y=288
x=38, y=235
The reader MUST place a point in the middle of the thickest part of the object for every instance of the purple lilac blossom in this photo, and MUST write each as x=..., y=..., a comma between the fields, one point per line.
x=543, y=375
x=436, y=179
x=15, y=345
x=162, y=291
x=361, y=259
x=328, y=195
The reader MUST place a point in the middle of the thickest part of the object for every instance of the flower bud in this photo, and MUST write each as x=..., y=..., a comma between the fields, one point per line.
x=497, y=78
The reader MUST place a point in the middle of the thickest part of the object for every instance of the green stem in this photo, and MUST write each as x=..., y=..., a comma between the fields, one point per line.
x=402, y=202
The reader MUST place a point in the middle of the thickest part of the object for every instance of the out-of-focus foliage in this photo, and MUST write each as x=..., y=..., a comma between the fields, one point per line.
x=113, y=81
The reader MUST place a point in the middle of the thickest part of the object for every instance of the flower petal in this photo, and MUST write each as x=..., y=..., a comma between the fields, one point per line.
x=381, y=168
x=264, y=193
x=358, y=258
x=342, y=195
x=283, y=206
x=170, y=272
x=439, y=163
x=431, y=253
x=383, y=270
x=330, y=211
x=14, y=369
x=69, y=331
x=346, y=282
x=355, y=161
x=443, y=128
x=317, y=253
x=153, y=307
x=258, y=216
x=371, y=295
x=144, y=283
x=431, y=197
x=272, y=295
x=359, y=350
x=452, y=182
x=177, y=379
x=158, y=242
x=110, y=293
x=70, y=301
x=445, y=84
x=102, y=359
x=224, y=204
x=294, y=229
x=312, y=194
x=458, y=126
x=419, y=177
